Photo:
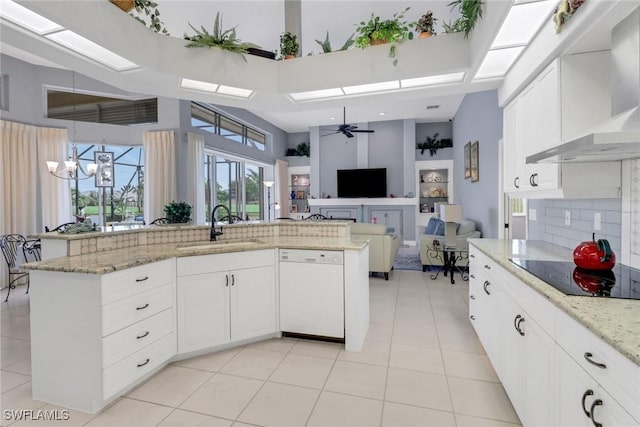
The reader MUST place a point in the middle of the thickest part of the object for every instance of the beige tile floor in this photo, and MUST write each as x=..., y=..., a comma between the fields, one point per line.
x=422, y=365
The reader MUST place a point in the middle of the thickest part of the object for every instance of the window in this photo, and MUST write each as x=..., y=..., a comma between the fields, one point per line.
x=123, y=201
x=100, y=109
x=234, y=183
x=211, y=121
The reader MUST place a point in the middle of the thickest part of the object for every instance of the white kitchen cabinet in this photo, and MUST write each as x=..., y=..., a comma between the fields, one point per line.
x=582, y=401
x=220, y=302
x=539, y=118
x=96, y=336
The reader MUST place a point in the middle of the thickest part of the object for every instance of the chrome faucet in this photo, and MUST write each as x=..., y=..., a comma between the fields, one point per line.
x=215, y=233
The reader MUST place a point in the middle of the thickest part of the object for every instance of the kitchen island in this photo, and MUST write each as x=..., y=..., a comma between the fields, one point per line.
x=119, y=306
x=563, y=360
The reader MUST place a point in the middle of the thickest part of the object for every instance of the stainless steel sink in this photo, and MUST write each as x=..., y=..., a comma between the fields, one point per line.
x=202, y=246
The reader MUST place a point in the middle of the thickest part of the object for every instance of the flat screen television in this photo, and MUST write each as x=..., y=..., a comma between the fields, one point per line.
x=362, y=182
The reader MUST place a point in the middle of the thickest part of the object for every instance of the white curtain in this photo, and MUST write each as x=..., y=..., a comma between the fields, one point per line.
x=195, y=177
x=18, y=181
x=282, y=184
x=159, y=172
x=55, y=193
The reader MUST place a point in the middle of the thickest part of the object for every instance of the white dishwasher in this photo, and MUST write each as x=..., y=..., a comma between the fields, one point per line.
x=312, y=292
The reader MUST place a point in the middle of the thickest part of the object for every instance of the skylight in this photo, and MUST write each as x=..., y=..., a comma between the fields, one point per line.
x=522, y=23
x=87, y=48
x=371, y=87
x=432, y=80
x=25, y=18
x=201, y=86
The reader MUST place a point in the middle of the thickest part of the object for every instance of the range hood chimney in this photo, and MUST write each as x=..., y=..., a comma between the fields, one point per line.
x=617, y=138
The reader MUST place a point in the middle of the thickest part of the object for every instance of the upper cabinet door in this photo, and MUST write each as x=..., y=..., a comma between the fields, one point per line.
x=511, y=155
x=546, y=110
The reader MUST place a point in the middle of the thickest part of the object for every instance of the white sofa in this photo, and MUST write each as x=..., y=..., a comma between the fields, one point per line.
x=383, y=245
x=466, y=229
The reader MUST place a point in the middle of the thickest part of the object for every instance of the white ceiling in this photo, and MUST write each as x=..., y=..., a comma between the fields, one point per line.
x=262, y=22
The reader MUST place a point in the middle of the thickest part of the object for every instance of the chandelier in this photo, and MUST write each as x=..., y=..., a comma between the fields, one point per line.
x=72, y=169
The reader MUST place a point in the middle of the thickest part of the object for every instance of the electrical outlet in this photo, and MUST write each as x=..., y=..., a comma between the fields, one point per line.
x=567, y=217
x=532, y=215
x=597, y=221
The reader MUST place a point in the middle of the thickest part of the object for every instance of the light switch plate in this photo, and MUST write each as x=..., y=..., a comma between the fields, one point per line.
x=597, y=221
x=532, y=215
x=567, y=217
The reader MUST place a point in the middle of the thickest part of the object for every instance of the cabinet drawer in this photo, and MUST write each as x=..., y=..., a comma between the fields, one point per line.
x=202, y=264
x=124, y=283
x=126, y=312
x=134, y=367
x=620, y=377
x=123, y=343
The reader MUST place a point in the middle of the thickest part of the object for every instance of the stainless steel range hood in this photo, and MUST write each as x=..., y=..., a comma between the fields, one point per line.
x=619, y=137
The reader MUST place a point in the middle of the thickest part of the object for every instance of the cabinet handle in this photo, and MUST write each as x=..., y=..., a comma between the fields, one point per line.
x=139, y=337
x=140, y=365
x=472, y=317
x=472, y=297
x=487, y=267
x=143, y=307
x=233, y=280
x=143, y=279
x=584, y=400
x=227, y=280
x=588, y=357
x=485, y=286
x=532, y=180
x=520, y=331
x=516, y=181
x=473, y=277
x=472, y=256
x=595, y=403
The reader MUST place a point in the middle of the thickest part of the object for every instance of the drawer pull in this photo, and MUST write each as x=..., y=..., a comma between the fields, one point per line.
x=516, y=182
x=472, y=297
x=143, y=307
x=595, y=403
x=472, y=317
x=139, y=337
x=588, y=357
x=485, y=286
x=584, y=400
x=487, y=267
x=140, y=365
x=143, y=279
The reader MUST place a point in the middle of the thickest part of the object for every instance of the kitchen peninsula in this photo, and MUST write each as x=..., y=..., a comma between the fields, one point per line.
x=110, y=309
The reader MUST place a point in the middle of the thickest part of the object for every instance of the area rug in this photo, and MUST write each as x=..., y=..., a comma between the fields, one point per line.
x=407, y=262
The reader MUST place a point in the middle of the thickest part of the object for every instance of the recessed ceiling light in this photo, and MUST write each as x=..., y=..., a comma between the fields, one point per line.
x=316, y=94
x=332, y=118
x=198, y=85
x=87, y=48
x=433, y=107
x=371, y=87
x=432, y=80
x=26, y=18
x=522, y=23
x=382, y=113
x=497, y=62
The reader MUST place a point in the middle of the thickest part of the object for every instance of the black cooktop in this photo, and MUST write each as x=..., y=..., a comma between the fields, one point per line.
x=620, y=282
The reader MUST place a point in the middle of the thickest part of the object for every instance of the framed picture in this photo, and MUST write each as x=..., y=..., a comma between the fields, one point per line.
x=475, y=161
x=105, y=173
x=467, y=160
x=300, y=194
x=294, y=208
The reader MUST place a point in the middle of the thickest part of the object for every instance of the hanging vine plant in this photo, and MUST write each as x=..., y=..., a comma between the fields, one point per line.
x=433, y=144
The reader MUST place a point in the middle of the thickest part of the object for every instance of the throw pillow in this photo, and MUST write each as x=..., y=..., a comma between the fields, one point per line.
x=435, y=227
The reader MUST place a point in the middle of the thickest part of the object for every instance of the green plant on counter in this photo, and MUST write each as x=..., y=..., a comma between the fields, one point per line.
x=177, y=212
x=226, y=39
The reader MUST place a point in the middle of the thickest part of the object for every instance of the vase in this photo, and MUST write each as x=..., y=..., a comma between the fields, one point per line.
x=424, y=34
x=293, y=195
x=289, y=56
x=125, y=5
x=373, y=42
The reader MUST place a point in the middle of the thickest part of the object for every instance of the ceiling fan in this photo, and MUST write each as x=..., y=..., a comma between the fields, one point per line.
x=348, y=130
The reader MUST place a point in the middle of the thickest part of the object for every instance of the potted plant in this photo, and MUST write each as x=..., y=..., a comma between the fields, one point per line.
x=289, y=46
x=470, y=13
x=425, y=25
x=177, y=212
x=125, y=5
x=433, y=144
x=150, y=9
x=326, y=44
x=376, y=31
x=226, y=39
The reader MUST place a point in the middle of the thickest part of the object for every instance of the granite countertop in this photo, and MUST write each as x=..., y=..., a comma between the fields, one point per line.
x=616, y=321
x=120, y=259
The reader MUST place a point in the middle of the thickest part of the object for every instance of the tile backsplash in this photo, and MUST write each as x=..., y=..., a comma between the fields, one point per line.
x=550, y=223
